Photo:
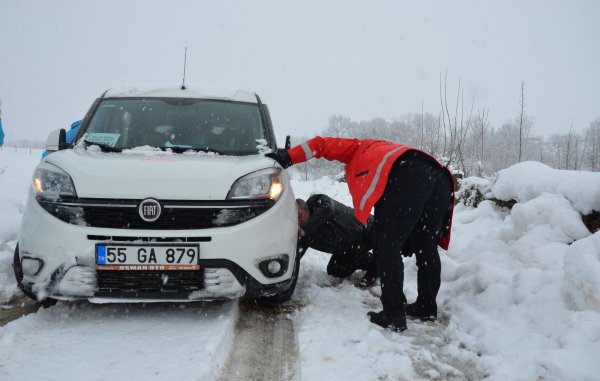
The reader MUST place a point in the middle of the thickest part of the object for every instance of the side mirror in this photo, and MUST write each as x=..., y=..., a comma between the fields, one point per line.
x=288, y=143
x=57, y=140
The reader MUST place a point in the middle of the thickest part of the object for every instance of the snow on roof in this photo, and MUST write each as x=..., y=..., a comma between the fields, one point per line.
x=530, y=179
x=204, y=92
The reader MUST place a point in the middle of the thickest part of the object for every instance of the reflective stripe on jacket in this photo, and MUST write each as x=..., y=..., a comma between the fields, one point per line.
x=368, y=164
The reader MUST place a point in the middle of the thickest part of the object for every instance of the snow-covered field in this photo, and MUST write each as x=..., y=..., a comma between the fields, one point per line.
x=520, y=300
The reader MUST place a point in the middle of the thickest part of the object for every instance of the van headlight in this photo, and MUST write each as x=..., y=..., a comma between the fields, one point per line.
x=49, y=181
x=264, y=184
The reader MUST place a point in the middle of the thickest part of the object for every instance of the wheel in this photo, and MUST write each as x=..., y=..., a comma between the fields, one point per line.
x=283, y=296
x=48, y=302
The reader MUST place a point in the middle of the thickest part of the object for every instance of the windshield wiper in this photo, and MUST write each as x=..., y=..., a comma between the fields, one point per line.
x=103, y=146
x=207, y=149
x=182, y=149
x=176, y=149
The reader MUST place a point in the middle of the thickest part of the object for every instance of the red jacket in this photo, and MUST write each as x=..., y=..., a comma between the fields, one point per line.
x=368, y=164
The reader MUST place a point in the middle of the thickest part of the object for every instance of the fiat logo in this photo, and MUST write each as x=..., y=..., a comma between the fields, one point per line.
x=149, y=210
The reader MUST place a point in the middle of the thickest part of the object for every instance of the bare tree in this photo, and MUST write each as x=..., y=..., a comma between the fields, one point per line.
x=568, y=150
x=455, y=131
x=432, y=140
x=521, y=117
x=594, y=155
x=422, y=127
x=585, y=143
x=338, y=126
x=481, y=126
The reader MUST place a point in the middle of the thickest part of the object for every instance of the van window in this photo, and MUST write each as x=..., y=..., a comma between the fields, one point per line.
x=228, y=127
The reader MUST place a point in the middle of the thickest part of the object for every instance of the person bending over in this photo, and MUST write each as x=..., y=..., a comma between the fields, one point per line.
x=327, y=225
x=413, y=197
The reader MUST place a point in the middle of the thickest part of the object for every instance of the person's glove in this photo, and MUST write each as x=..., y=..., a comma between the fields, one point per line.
x=281, y=156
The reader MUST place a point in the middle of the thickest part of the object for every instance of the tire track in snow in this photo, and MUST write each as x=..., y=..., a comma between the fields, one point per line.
x=18, y=307
x=265, y=348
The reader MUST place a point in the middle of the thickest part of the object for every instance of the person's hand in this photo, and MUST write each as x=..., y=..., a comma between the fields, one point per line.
x=281, y=156
x=300, y=232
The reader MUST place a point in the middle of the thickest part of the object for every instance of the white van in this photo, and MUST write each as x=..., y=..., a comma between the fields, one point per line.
x=163, y=195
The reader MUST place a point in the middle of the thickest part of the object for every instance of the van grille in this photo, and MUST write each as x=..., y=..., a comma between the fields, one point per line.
x=148, y=282
x=176, y=215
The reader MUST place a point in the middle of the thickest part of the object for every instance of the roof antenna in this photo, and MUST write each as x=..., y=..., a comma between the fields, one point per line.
x=184, y=63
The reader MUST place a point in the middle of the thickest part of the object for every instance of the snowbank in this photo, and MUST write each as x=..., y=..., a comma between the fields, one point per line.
x=510, y=293
x=523, y=287
x=16, y=169
x=582, y=275
x=527, y=180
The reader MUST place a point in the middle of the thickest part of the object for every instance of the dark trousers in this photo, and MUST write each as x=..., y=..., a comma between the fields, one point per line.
x=344, y=265
x=409, y=219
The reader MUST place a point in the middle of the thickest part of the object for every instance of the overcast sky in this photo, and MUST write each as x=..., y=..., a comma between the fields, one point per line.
x=308, y=60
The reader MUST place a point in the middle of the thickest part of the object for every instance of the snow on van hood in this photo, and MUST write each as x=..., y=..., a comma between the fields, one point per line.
x=161, y=175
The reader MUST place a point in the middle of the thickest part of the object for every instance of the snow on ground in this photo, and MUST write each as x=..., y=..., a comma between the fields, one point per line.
x=82, y=341
x=520, y=295
x=16, y=170
x=520, y=300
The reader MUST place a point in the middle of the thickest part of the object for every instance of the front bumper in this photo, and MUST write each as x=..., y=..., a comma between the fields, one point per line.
x=219, y=279
x=230, y=257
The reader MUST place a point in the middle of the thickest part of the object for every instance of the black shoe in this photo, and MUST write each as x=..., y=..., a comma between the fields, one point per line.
x=371, y=275
x=420, y=311
x=396, y=323
x=368, y=280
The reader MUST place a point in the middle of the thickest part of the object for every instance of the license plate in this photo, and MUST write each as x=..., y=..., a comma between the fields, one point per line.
x=133, y=257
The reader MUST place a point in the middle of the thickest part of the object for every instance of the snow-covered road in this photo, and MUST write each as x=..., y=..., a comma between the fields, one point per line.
x=118, y=342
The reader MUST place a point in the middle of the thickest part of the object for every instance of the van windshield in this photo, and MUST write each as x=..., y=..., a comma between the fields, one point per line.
x=181, y=124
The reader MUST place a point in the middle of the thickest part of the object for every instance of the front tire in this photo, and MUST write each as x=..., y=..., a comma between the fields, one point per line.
x=283, y=296
x=18, y=269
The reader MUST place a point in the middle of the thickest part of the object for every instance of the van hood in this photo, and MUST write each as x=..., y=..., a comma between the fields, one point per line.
x=162, y=175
